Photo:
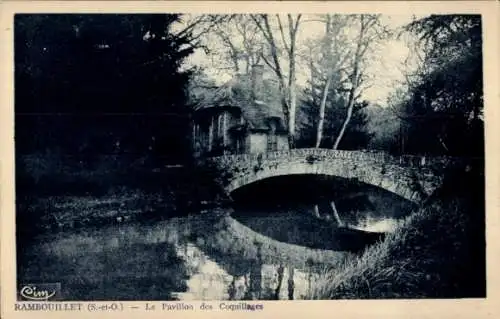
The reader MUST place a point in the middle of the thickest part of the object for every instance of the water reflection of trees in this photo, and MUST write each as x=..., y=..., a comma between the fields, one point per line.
x=267, y=267
x=304, y=229
x=124, y=263
x=154, y=261
x=312, y=208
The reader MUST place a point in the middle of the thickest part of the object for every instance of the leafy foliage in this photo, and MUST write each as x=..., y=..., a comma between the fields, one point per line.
x=384, y=128
x=443, y=112
x=93, y=84
x=417, y=261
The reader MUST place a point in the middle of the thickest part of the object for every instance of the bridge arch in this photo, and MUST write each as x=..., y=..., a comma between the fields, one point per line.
x=413, y=178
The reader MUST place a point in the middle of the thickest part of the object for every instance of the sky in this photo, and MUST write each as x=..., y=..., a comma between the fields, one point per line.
x=385, y=71
x=388, y=72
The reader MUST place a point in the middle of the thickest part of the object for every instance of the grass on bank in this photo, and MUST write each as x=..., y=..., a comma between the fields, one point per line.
x=438, y=252
x=57, y=192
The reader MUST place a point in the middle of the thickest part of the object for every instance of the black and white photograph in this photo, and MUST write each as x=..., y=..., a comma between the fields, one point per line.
x=180, y=157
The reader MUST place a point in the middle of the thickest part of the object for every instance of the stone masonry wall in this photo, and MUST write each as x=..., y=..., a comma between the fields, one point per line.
x=412, y=177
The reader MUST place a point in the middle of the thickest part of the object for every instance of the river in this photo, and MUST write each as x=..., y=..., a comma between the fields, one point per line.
x=279, y=235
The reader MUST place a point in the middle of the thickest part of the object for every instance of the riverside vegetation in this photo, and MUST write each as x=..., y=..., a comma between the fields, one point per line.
x=438, y=251
x=97, y=86
x=56, y=193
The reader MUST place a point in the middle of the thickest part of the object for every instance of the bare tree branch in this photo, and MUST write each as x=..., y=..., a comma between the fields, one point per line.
x=282, y=32
x=271, y=65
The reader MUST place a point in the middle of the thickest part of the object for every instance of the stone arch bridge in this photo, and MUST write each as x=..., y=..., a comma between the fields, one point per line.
x=411, y=177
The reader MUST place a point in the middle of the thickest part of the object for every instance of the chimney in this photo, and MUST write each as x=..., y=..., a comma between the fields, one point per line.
x=257, y=82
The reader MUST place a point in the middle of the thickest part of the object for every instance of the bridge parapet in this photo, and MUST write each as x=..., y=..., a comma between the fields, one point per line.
x=412, y=177
x=323, y=154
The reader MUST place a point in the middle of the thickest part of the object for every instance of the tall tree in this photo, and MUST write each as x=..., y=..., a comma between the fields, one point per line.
x=241, y=41
x=369, y=31
x=101, y=83
x=334, y=55
x=287, y=81
x=357, y=135
x=445, y=95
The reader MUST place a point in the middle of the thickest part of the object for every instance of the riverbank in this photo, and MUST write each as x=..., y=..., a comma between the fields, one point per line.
x=63, y=194
x=438, y=252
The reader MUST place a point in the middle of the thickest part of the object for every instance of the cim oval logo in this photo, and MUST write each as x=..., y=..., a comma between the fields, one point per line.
x=39, y=292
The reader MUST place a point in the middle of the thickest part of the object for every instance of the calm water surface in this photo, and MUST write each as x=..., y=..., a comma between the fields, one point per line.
x=272, y=244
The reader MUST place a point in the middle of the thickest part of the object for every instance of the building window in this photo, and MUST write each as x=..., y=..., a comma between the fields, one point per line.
x=272, y=138
x=220, y=127
x=240, y=144
x=272, y=142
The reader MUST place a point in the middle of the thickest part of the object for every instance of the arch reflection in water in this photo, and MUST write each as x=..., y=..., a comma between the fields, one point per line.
x=265, y=248
x=305, y=208
x=261, y=267
x=205, y=257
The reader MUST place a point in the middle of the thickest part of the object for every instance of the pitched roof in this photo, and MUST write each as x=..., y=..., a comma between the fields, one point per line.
x=238, y=93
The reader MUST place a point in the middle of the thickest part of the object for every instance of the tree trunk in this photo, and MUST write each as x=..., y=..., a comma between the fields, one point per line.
x=311, y=68
x=316, y=211
x=291, y=116
x=361, y=48
x=292, y=94
x=265, y=27
x=350, y=106
x=281, y=270
x=291, y=140
x=321, y=116
x=291, y=284
x=336, y=214
x=286, y=113
x=287, y=91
